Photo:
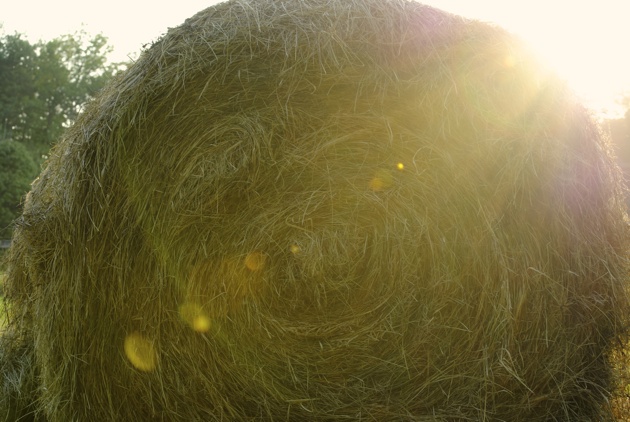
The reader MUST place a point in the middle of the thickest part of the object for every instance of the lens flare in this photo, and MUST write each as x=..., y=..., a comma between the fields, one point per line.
x=509, y=61
x=194, y=315
x=255, y=261
x=140, y=352
x=201, y=324
x=382, y=180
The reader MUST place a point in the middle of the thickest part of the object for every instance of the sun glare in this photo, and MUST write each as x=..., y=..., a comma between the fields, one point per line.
x=597, y=72
x=584, y=42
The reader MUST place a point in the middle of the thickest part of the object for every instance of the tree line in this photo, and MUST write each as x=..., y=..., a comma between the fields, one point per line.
x=43, y=87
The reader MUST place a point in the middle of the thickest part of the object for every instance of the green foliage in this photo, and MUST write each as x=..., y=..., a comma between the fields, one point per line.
x=44, y=85
x=17, y=170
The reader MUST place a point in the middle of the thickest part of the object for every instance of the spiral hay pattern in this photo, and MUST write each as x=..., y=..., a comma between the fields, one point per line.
x=306, y=210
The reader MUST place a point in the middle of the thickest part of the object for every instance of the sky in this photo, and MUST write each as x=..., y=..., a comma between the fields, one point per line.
x=587, y=42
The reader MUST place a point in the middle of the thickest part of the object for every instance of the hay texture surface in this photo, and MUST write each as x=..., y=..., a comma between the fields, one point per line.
x=321, y=210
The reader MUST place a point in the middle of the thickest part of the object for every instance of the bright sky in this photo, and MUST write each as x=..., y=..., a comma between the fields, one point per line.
x=588, y=42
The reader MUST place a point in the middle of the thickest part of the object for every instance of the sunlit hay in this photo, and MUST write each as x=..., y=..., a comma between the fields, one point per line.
x=235, y=198
x=621, y=398
x=140, y=352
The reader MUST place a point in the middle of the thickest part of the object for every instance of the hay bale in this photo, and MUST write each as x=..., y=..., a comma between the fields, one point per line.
x=305, y=210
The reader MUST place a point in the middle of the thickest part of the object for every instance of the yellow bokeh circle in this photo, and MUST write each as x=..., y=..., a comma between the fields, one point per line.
x=255, y=261
x=195, y=317
x=140, y=352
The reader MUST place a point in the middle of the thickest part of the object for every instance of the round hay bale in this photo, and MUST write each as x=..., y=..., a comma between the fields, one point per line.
x=307, y=210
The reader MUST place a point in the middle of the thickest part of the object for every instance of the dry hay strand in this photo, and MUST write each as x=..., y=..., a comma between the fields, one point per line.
x=306, y=210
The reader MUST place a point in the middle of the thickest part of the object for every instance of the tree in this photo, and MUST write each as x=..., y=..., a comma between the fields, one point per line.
x=43, y=86
x=17, y=170
x=17, y=89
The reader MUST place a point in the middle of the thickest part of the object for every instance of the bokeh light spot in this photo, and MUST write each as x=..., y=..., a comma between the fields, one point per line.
x=201, y=324
x=382, y=180
x=255, y=261
x=400, y=166
x=509, y=61
x=195, y=317
x=140, y=352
